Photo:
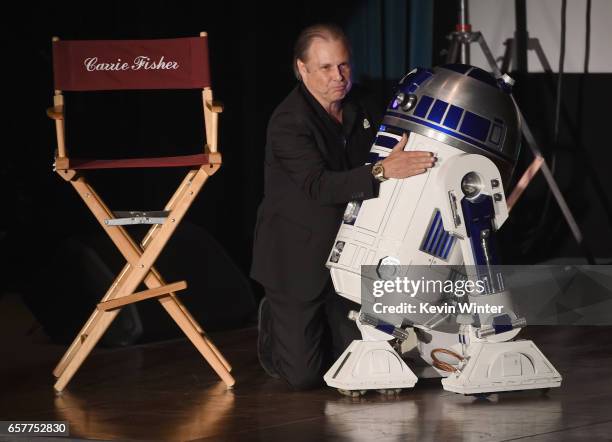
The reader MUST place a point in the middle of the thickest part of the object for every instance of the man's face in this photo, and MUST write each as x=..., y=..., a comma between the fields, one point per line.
x=326, y=72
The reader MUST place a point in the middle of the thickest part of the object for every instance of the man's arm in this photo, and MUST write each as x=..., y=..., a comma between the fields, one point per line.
x=298, y=155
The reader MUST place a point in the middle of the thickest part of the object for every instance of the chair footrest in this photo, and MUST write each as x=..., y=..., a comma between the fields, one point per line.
x=133, y=217
x=141, y=296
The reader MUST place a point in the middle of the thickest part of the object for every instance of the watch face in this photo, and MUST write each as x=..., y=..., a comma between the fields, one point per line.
x=378, y=172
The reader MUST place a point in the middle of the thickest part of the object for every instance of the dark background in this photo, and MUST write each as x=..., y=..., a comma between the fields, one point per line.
x=251, y=51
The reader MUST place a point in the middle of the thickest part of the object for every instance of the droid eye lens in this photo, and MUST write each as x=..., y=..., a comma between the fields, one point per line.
x=405, y=101
x=471, y=185
x=409, y=102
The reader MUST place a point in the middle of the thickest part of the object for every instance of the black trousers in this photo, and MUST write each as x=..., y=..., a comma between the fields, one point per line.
x=309, y=335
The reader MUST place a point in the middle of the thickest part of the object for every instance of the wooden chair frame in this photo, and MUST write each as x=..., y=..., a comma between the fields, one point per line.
x=140, y=257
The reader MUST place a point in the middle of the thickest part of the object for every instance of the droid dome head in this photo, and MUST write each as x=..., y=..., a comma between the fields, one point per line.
x=462, y=106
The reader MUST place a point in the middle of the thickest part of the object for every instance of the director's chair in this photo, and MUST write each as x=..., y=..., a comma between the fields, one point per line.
x=180, y=63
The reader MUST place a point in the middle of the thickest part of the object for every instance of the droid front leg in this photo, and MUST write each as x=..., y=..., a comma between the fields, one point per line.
x=371, y=363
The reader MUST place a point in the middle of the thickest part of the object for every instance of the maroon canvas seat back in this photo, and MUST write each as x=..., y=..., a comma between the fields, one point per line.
x=94, y=65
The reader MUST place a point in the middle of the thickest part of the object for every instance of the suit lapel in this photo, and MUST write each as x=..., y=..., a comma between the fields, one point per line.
x=331, y=142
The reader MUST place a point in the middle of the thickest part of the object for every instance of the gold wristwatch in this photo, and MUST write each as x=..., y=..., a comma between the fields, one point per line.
x=378, y=171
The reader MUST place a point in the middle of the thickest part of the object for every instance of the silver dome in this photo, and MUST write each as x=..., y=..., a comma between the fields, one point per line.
x=462, y=106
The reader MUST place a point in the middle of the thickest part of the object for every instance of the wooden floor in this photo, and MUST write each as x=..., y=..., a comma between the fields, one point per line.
x=165, y=391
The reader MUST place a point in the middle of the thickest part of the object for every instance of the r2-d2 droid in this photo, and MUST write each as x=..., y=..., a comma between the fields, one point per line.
x=421, y=226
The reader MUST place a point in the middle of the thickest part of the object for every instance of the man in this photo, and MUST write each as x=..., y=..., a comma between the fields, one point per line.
x=317, y=143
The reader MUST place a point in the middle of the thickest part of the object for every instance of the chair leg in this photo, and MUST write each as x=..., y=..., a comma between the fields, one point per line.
x=202, y=344
x=201, y=331
x=216, y=351
x=76, y=344
x=84, y=349
x=88, y=327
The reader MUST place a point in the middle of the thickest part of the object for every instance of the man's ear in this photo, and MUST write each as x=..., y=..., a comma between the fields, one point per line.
x=301, y=67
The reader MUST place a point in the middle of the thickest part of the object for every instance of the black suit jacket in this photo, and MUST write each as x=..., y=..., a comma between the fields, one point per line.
x=313, y=167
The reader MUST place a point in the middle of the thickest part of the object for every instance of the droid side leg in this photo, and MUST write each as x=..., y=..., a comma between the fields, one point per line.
x=489, y=367
x=487, y=358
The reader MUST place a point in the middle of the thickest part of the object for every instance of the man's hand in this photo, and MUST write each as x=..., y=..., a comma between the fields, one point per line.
x=400, y=164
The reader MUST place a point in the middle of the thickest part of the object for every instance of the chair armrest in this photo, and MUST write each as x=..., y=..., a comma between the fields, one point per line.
x=56, y=112
x=215, y=106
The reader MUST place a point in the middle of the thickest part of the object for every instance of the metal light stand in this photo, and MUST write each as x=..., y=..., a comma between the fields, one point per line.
x=459, y=51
